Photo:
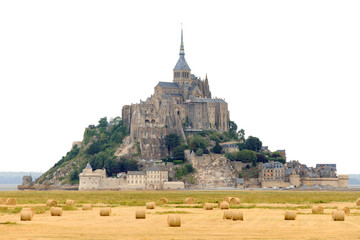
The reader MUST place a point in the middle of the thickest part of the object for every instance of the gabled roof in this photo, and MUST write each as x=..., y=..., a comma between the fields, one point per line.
x=88, y=166
x=168, y=85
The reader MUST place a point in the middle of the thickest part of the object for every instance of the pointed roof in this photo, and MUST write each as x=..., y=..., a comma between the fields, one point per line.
x=181, y=63
x=88, y=166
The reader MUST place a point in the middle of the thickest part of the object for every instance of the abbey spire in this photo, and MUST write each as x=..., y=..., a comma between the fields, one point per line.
x=182, y=71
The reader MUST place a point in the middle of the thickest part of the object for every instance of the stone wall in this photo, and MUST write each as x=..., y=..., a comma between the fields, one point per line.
x=274, y=183
x=333, y=182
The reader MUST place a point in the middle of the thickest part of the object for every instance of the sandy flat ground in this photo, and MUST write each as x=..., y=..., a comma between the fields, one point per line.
x=196, y=224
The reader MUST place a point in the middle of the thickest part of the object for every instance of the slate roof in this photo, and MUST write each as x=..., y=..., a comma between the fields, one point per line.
x=168, y=85
x=136, y=173
x=272, y=165
x=182, y=64
x=88, y=166
x=288, y=171
x=153, y=168
x=195, y=99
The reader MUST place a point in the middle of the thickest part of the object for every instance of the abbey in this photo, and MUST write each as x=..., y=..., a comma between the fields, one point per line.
x=185, y=104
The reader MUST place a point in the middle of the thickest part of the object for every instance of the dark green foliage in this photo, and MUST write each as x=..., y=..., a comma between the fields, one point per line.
x=253, y=143
x=217, y=148
x=103, y=122
x=241, y=134
x=244, y=156
x=177, y=162
x=199, y=152
x=74, y=177
x=275, y=154
x=178, y=153
x=198, y=142
x=250, y=172
x=172, y=141
x=184, y=170
x=94, y=148
x=232, y=134
x=70, y=155
x=261, y=158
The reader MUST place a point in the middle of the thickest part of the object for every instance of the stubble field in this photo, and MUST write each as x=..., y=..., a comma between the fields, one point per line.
x=263, y=216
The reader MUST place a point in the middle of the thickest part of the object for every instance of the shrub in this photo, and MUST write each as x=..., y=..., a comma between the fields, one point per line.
x=199, y=152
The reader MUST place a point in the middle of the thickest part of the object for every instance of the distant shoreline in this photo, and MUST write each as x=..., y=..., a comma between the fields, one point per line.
x=8, y=187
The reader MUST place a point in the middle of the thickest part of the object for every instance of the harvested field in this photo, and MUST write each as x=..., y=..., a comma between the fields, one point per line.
x=260, y=222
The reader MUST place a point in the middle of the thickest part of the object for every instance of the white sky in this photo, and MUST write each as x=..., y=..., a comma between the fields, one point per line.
x=289, y=71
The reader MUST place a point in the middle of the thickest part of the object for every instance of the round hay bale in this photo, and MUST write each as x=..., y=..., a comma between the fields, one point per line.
x=228, y=199
x=290, y=215
x=208, y=206
x=26, y=215
x=235, y=200
x=11, y=201
x=238, y=215
x=86, y=207
x=163, y=201
x=56, y=211
x=174, y=221
x=358, y=202
x=189, y=200
x=51, y=203
x=346, y=210
x=70, y=203
x=2, y=201
x=338, y=216
x=28, y=209
x=150, y=205
x=228, y=214
x=224, y=205
x=317, y=210
x=105, y=212
x=140, y=214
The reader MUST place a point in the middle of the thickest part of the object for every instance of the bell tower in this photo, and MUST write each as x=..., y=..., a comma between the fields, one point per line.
x=182, y=71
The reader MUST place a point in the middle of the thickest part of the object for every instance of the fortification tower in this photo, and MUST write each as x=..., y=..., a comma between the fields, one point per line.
x=182, y=71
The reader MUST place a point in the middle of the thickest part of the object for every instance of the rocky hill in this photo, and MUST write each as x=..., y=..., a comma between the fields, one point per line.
x=212, y=171
x=98, y=147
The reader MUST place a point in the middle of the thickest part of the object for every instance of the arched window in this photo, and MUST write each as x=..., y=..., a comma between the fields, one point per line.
x=147, y=121
x=153, y=121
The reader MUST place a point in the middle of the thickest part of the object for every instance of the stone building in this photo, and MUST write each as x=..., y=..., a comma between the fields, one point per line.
x=184, y=103
x=151, y=178
x=274, y=174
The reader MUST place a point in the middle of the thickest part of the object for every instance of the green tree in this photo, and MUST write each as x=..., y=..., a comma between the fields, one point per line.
x=199, y=152
x=246, y=156
x=241, y=134
x=103, y=122
x=217, y=148
x=172, y=141
x=198, y=142
x=275, y=155
x=74, y=177
x=94, y=148
x=261, y=158
x=253, y=143
x=178, y=153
